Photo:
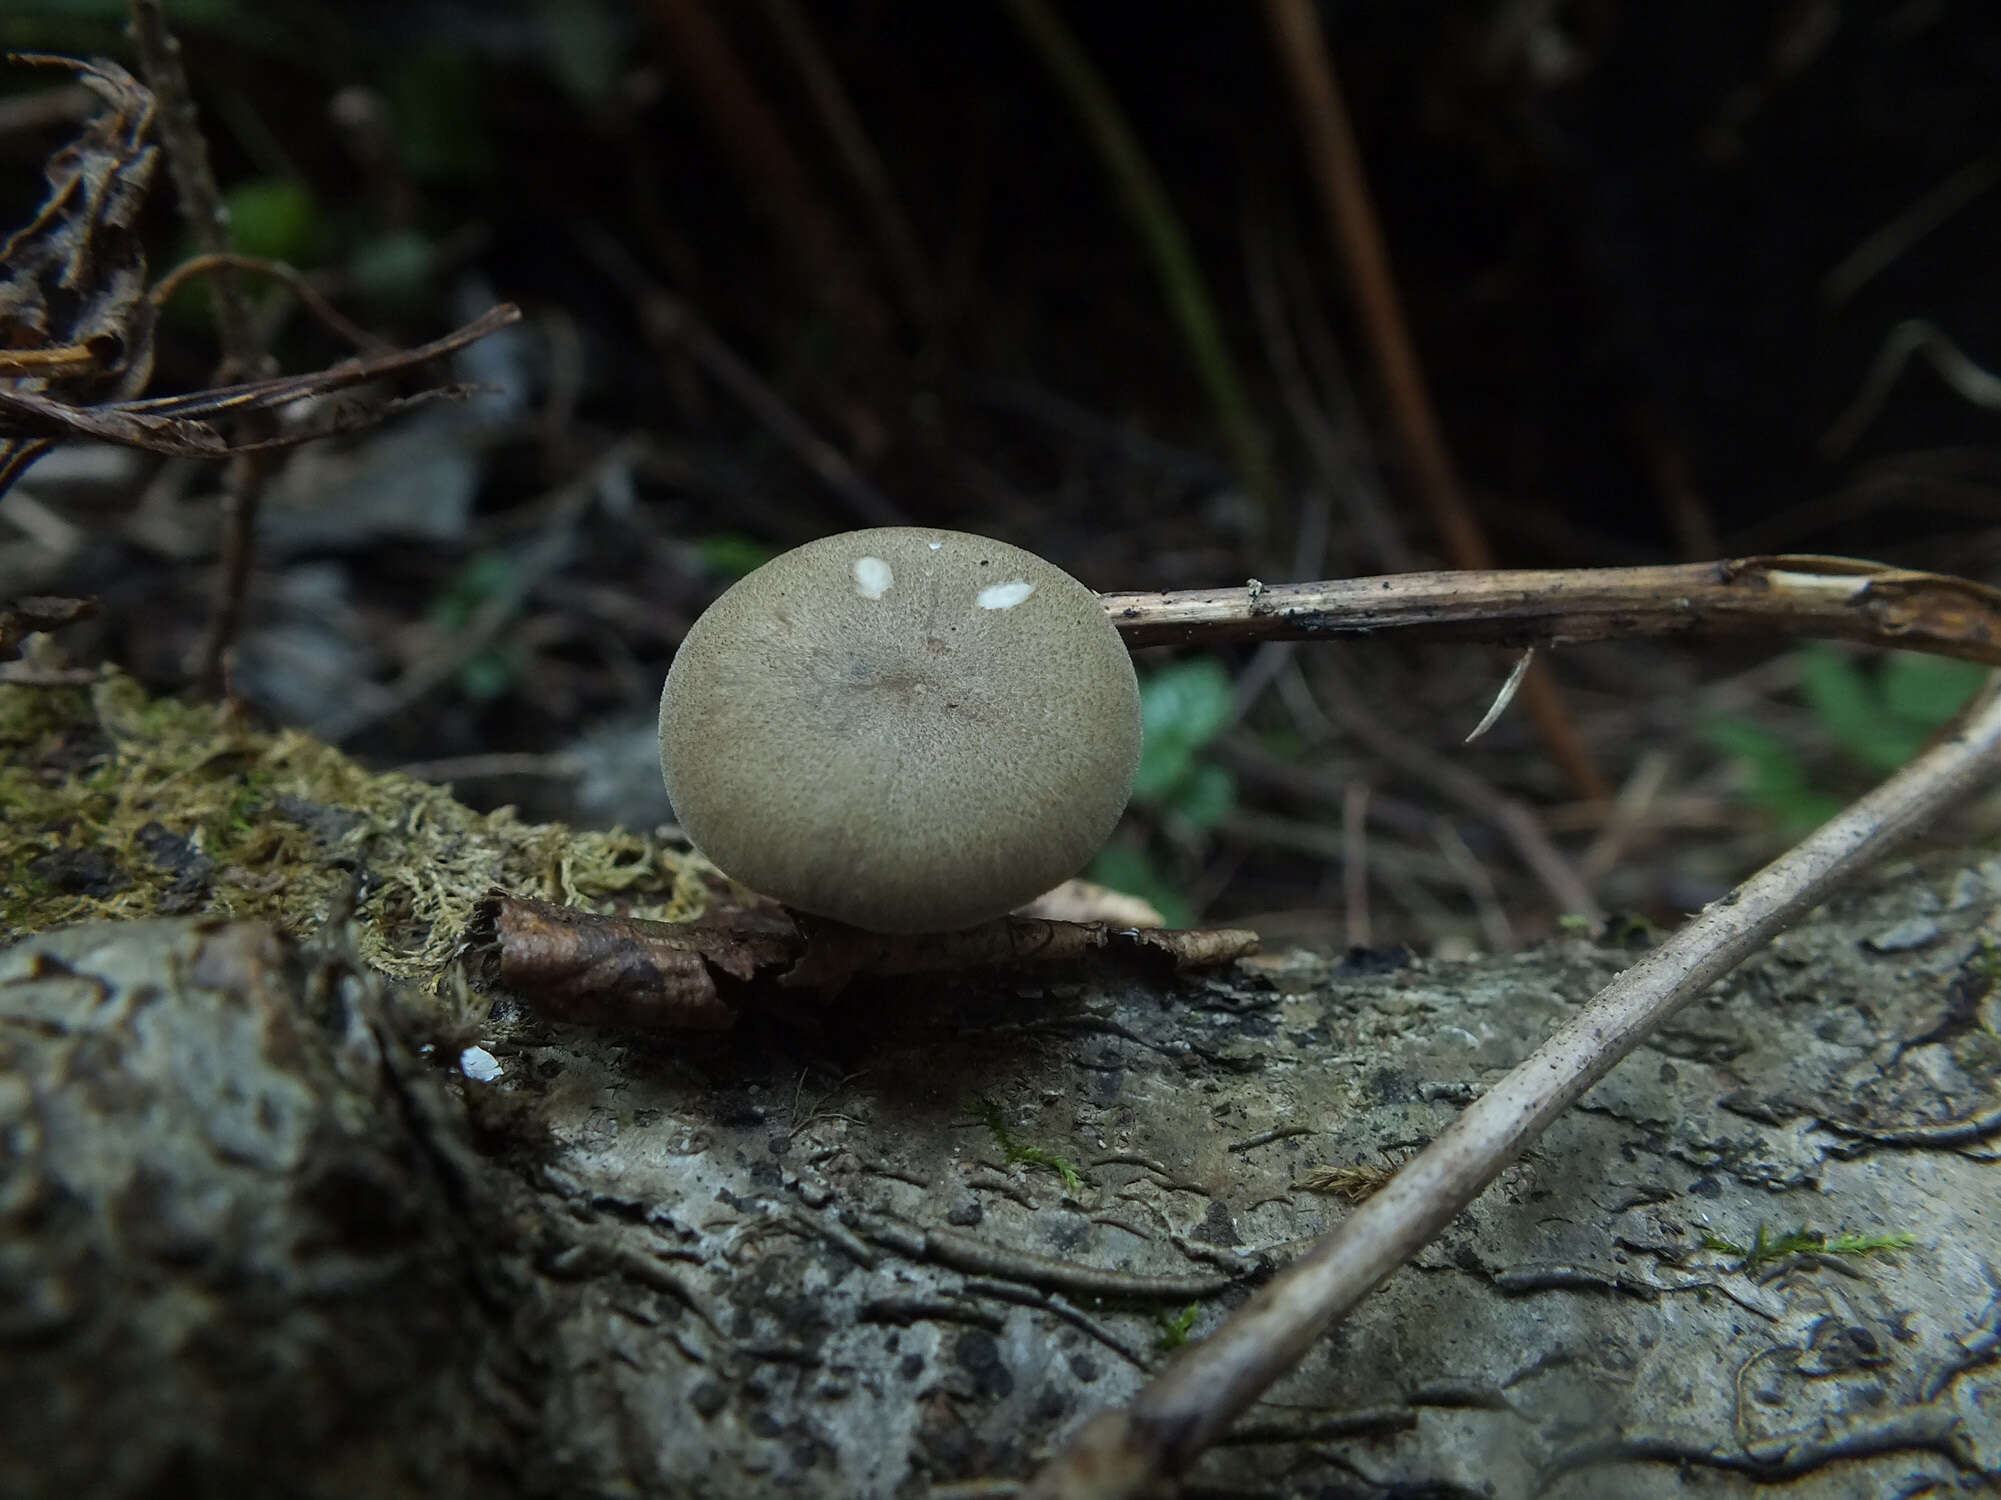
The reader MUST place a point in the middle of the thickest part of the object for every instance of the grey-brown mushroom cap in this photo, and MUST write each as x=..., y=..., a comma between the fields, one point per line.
x=904, y=729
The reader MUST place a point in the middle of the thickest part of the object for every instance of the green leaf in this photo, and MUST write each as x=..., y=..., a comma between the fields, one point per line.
x=1182, y=708
x=730, y=554
x=1192, y=699
x=488, y=675
x=586, y=48
x=1851, y=712
x=1928, y=690
x=1776, y=781
x=484, y=577
x=1127, y=867
x=395, y=269
x=1205, y=796
x=277, y=218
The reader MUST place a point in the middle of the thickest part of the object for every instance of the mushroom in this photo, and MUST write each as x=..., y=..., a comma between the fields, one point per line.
x=904, y=729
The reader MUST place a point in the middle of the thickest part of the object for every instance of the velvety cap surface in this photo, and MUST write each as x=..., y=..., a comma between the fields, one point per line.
x=904, y=729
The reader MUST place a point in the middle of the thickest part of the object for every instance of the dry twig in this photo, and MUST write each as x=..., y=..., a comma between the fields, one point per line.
x=1127, y=1452
x=1337, y=167
x=243, y=353
x=1458, y=784
x=858, y=154
x=178, y=426
x=1836, y=598
x=669, y=323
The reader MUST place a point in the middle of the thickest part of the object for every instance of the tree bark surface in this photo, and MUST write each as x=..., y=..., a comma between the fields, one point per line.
x=260, y=1232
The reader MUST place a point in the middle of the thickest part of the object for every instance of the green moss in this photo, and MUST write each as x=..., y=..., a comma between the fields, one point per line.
x=282, y=821
x=1017, y=1151
x=1767, y=1247
x=1174, y=1327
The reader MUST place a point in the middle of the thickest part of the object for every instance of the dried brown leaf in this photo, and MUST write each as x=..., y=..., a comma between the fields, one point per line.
x=625, y=972
x=660, y=976
x=73, y=279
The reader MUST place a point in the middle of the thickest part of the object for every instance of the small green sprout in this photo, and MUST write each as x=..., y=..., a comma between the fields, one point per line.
x=1174, y=1327
x=1015, y=1150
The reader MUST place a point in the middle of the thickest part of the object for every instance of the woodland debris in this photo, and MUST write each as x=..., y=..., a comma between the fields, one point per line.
x=77, y=321
x=1833, y=598
x=634, y=974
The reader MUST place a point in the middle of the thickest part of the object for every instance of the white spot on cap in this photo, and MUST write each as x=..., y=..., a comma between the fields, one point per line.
x=1005, y=595
x=872, y=577
x=934, y=546
x=478, y=1064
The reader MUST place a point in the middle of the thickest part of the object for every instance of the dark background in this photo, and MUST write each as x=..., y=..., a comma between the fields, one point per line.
x=1613, y=236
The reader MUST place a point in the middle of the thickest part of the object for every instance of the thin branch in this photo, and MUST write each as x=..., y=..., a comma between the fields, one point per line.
x=1835, y=598
x=1127, y=1452
x=1898, y=237
x=858, y=154
x=176, y=425
x=1457, y=783
x=277, y=270
x=1352, y=223
x=243, y=352
x=1972, y=383
x=669, y=322
x=1174, y=265
x=194, y=181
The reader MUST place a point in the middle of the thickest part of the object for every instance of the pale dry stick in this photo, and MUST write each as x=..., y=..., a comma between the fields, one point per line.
x=1972, y=383
x=1888, y=244
x=1126, y=1452
x=1629, y=810
x=1835, y=598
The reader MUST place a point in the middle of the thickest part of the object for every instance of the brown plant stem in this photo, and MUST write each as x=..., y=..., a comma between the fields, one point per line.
x=1351, y=218
x=243, y=356
x=1833, y=598
x=709, y=63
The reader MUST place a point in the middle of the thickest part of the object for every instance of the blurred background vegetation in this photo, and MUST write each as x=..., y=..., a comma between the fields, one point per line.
x=1057, y=271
